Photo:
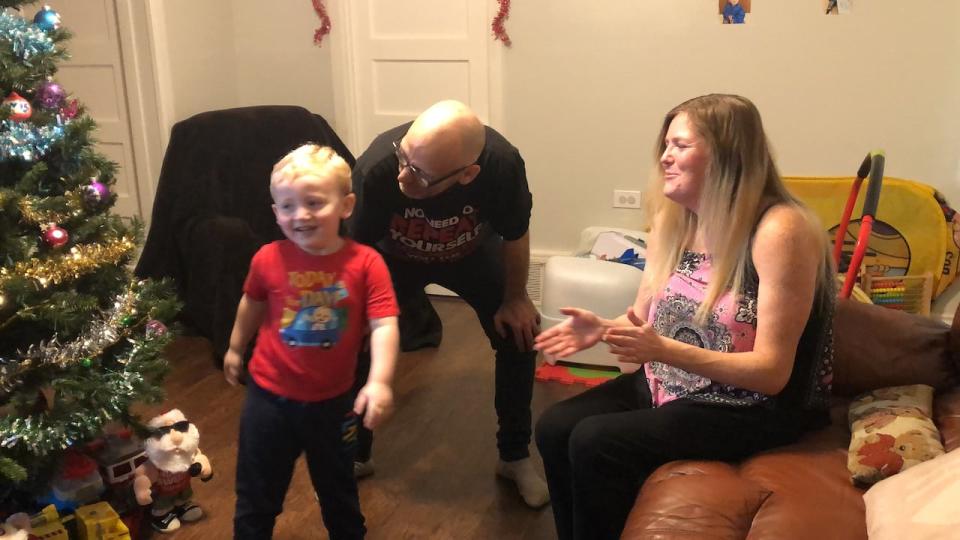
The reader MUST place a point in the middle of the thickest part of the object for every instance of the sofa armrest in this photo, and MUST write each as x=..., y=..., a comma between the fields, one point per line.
x=946, y=415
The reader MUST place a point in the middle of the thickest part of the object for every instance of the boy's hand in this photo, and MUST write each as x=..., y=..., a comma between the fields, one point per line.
x=232, y=367
x=377, y=400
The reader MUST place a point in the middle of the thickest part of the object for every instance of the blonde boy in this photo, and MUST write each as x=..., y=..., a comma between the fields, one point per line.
x=300, y=375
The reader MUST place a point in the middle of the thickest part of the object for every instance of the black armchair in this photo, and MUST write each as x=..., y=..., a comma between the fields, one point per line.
x=212, y=207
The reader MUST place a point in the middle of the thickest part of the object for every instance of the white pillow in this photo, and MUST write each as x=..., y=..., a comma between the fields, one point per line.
x=920, y=503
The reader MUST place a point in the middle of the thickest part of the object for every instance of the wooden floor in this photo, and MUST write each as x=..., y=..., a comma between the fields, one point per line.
x=435, y=457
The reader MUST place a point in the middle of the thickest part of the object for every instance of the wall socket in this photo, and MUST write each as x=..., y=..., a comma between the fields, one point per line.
x=626, y=199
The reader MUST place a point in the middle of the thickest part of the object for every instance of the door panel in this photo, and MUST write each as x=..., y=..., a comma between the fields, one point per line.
x=94, y=75
x=411, y=53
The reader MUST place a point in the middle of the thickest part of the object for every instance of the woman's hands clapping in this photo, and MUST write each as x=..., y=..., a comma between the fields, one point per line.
x=637, y=343
x=582, y=330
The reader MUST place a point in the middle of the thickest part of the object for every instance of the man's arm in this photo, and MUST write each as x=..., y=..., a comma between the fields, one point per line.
x=516, y=310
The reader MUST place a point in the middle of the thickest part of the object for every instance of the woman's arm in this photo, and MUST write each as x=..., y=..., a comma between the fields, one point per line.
x=786, y=254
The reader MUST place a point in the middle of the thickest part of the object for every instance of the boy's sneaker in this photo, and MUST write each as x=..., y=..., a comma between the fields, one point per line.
x=188, y=512
x=165, y=523
x=362, y=469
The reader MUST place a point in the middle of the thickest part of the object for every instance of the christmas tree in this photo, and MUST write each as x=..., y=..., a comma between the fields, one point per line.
x=80, y=338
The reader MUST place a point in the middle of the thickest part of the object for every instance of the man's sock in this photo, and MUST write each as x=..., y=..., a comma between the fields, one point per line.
x=522, y=472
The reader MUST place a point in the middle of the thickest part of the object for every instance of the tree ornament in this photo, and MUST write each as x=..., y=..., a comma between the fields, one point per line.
x=86, y=362
x=96, y=193
x=50, y=95
x=155, y=328
x=6, y=306
x=70, y=109
x=56, y=236
x=127, y=321
x=47, y=19
x=20, y=108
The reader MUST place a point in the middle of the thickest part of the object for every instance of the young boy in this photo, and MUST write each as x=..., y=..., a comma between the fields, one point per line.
x=310, y=297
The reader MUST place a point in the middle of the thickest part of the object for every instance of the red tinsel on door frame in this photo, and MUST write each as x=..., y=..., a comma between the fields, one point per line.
x=499, y=32
x=324, y=27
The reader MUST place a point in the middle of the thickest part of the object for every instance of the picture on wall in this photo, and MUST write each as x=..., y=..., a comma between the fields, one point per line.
x=836, y=7
x=733, y=11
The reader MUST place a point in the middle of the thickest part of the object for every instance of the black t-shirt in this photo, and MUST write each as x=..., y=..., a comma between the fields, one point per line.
x=450, y=225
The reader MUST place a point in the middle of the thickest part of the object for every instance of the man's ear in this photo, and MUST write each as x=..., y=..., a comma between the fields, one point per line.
x=469, y=174
x=349, y=202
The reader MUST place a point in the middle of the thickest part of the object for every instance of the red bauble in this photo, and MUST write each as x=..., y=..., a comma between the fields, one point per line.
x=56, y=236
x=20, y=108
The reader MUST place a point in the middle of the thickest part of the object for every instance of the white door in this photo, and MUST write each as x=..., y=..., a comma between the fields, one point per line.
x=402, y=56
x=95, y=77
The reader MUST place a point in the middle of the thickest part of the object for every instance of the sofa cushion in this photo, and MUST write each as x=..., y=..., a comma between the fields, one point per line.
x=919, y=504
x=876, y=347
x=892, y=430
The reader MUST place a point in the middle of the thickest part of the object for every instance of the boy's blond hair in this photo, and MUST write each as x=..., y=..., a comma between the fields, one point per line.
x=311, y=160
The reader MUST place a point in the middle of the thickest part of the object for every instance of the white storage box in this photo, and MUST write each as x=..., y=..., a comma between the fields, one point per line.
x=603, y=287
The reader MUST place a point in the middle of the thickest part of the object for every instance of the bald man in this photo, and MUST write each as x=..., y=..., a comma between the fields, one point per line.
x=445, y=200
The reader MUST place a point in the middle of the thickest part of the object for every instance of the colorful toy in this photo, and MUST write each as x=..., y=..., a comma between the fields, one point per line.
x=173, y=456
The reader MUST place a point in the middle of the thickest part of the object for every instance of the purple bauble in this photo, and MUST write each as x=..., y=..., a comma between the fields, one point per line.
x=96, y=193
x=50, y=95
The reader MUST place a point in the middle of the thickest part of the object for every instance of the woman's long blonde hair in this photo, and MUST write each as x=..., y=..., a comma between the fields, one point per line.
x=741, y=181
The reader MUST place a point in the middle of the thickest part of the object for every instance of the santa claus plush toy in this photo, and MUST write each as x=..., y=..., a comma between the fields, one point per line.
x=16, y=527
x=173, y=456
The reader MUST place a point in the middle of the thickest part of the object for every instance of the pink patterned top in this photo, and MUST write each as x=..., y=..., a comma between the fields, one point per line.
x=732, y=327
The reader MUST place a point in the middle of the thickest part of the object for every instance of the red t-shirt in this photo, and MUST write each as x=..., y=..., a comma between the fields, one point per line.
x=318, y=308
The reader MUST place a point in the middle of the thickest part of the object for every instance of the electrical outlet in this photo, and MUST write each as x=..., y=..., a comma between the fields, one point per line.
x=626, y=199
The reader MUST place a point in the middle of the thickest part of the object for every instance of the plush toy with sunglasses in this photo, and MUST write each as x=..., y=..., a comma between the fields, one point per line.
x=173, y=457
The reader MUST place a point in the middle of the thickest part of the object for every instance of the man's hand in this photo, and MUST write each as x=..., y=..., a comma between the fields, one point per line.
x=520, y=315
x=377, y=400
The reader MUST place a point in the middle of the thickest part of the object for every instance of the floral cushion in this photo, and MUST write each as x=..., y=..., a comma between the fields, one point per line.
x=892, y=431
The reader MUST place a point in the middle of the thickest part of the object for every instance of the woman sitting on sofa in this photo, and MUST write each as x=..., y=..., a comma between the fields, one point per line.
x=731, y=326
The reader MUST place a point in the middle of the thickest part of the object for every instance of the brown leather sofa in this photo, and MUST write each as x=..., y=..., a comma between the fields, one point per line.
x=803, y=491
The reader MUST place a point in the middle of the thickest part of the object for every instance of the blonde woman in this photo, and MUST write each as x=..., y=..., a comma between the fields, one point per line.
x=731, y=326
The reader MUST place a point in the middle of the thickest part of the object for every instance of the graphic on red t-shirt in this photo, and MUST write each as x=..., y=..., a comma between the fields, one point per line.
x=420, y=238
x=312, y=318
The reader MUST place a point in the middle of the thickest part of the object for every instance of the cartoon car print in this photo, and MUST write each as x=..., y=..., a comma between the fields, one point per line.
x=312, y=326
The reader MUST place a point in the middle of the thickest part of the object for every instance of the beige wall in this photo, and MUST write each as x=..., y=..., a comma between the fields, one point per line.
x=277, y=62
x=200, y=72
x=235, y=53
x=586, y=87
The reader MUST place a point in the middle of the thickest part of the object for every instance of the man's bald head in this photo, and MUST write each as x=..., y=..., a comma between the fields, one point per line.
x=449, y=133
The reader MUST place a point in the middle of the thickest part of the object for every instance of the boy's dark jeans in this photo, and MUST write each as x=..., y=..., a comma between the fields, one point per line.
x=274, y=431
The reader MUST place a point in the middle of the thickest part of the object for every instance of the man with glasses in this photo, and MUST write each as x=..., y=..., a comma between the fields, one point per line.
x=445, y=200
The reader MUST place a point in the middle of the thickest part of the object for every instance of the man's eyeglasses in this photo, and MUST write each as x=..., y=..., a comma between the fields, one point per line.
x=425, y=179
x=182, y=426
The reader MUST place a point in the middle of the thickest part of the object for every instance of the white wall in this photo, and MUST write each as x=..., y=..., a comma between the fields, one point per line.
x=200, y=71
x=237, y=53
x=277, y=62
x=586, y=87
x=586, y=84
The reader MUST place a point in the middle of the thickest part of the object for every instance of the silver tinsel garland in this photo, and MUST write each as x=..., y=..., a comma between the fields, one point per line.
x=105, y=330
